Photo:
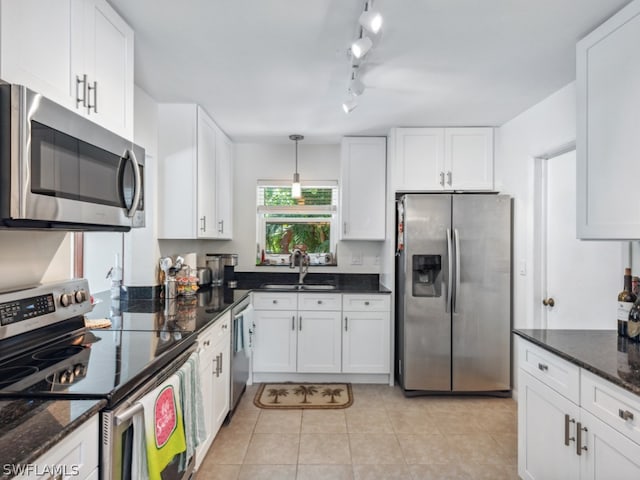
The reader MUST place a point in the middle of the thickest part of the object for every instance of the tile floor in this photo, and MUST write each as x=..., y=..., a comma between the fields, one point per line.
x=383, y=435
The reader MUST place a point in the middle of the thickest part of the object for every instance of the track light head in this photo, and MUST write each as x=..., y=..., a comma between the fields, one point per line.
x=349, y=105
x=371, y=21
x=360, y=47
x=356, y=87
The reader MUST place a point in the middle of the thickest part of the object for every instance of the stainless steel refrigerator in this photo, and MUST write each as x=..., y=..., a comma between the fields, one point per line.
x=454, y=293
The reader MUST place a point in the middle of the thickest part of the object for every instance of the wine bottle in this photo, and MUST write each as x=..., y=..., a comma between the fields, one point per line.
x=626, y=299
x=633, y=326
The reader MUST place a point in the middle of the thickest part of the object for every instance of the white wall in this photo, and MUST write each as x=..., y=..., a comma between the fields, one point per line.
x=545, y=126
x=253, y=162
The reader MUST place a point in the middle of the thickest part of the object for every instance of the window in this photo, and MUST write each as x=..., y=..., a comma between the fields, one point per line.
x=308, y=223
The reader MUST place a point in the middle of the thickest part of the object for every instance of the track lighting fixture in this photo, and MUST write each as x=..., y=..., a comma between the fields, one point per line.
x=370, y=21
x=349, y=105
x=296, y=189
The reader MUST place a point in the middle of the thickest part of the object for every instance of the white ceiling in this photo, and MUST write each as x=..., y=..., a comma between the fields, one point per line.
x=265, y=69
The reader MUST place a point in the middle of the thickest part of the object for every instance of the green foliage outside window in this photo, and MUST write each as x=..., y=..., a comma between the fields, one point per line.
x=282, y=237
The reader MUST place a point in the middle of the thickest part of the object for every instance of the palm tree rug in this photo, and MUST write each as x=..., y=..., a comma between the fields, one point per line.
x=304, y=395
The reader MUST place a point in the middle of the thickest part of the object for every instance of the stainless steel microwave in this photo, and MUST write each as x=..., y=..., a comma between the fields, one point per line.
x=59, y=170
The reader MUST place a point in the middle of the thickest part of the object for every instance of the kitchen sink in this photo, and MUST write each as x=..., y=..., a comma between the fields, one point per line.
x=297, y=286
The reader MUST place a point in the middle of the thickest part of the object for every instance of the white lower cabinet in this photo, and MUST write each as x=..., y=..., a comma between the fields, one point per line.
x=321, y=333
x=594, y=439
x=77, y=453
x=214, y=345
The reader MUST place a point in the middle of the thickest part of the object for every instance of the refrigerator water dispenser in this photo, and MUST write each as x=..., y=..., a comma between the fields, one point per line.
x=427, y=271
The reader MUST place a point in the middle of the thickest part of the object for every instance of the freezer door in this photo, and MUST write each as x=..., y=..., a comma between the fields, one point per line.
x=424, y=275
x=481, y=321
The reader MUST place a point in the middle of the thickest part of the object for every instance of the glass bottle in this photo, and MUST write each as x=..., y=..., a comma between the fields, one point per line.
x=626, y=299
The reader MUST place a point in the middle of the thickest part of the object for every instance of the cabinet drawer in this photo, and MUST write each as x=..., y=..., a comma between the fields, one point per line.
x=557, y=373
x=211, y=334
x=275, y=301
x=613, y=405
x=360, y=303
x=319, y=301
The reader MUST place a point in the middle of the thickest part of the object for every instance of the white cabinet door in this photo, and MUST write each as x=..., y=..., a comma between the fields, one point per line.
x=224, y=187
x=319, y=342
x=108, y=63
x=275, y=341
x=206, y=178
x=419, y=159
x=542, y=450
x=221, y=381
x=207, y=373
x=608, y=94
x=365, y=342
x=468, y=158
x=41, y=45
x=608, y=453
x=362, y=185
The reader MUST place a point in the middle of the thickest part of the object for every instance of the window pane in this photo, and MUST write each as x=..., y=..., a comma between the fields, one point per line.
x=277, y=196
x=282, y=237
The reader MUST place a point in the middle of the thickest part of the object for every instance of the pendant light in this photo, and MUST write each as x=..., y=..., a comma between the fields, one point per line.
x=296, y=189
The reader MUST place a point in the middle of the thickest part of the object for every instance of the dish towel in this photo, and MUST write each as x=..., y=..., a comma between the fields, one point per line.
x=164, y=436
x=192, y=405
x=238, y=333
x=248, y=327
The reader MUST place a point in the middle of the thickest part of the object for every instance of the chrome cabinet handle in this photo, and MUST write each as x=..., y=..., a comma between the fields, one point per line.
x=300, y=323
x=95, y=98
x=215, y=362
x=442, y=179
x=293, y=322
x=346, y=323
x=579, y=447
x=366, y=303
x=548, y=302
x=225, y=326
x=625, y=414
x=203, y=224
x=567, y=432
x=344, y=228
x=221, y=226
x=275, y=301
x=220, y=362
x=449, y=175
x=82, y=81
x=319, y=302
x=543, y=367
x=207, y=343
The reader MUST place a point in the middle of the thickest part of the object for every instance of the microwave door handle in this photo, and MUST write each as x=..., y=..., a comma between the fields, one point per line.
x=450, y=278
x=138, y=183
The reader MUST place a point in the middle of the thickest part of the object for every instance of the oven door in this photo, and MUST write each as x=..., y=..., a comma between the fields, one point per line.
x=117, y=433
x=67, y=171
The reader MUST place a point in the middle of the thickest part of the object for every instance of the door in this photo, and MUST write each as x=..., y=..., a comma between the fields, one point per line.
x=481, y=320
x=319, y=342
x=424, y=294
x=224, y=186
x=419, y=161
x=468, y=159
x=365, y=342
x=574, y=270
x=206, y=177
x=275, y=341
x=221, y=381
x=542, y=450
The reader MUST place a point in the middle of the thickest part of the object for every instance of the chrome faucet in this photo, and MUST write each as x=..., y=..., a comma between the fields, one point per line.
x=303, y=263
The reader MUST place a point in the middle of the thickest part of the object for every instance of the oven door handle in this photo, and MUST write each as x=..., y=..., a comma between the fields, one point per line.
x=138, y=183
x=129, y=413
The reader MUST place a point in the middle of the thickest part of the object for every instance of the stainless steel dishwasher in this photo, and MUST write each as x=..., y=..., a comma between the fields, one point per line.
x=242, y=323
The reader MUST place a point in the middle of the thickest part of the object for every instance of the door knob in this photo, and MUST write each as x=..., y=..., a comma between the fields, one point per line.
x=548, y=302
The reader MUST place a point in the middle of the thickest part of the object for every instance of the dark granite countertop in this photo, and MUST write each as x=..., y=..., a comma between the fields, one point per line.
x=29, y=428
x=602, y=352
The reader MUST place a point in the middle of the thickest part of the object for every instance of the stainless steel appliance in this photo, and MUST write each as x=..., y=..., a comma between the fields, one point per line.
x=59, y=170
x=454, y=293
x=239, y=347
x=46, y=352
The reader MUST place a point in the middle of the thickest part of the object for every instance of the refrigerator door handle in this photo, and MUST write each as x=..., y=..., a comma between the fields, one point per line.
x=456, y=237
x=450, y=277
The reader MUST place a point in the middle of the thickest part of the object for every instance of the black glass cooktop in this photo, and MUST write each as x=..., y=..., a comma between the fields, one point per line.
x=90, y=364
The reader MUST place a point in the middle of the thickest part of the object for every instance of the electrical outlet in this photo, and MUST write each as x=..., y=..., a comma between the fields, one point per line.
x=356, y=258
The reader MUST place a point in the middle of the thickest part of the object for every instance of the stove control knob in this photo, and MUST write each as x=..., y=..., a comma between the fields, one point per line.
x=66, y=299
x=81, y=296
x=78, y=370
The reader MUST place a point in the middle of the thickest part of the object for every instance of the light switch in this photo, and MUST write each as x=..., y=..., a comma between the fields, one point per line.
x=522, y=267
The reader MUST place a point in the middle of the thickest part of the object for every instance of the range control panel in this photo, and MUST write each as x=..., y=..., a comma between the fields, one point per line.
x=43, y=305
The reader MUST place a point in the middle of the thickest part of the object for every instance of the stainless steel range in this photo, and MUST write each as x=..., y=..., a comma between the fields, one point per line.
x=46, y=352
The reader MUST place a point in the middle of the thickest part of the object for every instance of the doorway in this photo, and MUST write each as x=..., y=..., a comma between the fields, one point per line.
x=578, y=281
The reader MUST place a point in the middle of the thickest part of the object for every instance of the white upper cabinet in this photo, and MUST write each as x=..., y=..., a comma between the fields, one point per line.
x=195, y=175
x=442, y=159
x=607, y=143
x=362, y=183
x=78, y=53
